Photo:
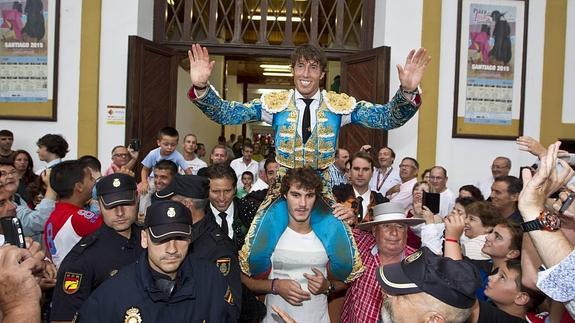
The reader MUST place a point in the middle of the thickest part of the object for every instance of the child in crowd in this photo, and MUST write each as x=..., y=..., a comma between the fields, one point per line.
x=481, y=218
x=512, y=300
x=247, y=181
x=167, y=143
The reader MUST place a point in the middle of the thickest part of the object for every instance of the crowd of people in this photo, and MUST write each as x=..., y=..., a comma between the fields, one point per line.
x=301, y=231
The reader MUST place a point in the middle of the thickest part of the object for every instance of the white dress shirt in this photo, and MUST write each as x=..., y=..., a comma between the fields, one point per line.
x=229, y=218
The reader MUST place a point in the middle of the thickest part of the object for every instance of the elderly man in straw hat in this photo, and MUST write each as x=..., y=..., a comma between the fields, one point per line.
x=381, y=241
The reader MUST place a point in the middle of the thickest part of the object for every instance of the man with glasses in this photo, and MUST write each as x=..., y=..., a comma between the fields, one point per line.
x=438, y=180
x=408, y=170
x=122, y=158
x=499, y=167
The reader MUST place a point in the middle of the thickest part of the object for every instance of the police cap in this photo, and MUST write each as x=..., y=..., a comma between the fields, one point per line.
x=451, y=281
x=192, y=186
x=167, y=220
x=116, y=189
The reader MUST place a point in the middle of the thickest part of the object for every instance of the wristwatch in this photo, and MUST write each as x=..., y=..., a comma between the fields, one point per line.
x=546, y=220
x=330, y=288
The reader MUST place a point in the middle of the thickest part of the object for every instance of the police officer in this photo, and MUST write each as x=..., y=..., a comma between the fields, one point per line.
x=162, y=286
x=208, y=241
x=98, y=256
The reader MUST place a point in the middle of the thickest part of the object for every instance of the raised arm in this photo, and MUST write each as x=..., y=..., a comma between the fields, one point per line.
x=404, y=104
x=411, y=73
x=200, y=67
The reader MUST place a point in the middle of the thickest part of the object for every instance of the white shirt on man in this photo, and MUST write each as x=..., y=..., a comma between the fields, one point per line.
x=259, y=185
x=240, y=167
x=382, y=181
x=229, y=218
x=294, y=255
x=405, y=194
x=196, y=164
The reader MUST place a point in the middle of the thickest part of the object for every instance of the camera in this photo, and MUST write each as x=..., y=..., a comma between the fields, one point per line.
x=135, y=144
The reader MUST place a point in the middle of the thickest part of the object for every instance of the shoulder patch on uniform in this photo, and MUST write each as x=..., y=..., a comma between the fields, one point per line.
x=229, y=297
x=133, y=315
x=71, y=282
x=223, y=264
x=339, y=103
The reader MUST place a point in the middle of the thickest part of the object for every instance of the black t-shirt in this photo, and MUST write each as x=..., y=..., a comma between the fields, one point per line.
x=491, y=314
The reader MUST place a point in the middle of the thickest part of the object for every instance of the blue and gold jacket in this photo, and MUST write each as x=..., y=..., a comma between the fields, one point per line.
x=335, y=110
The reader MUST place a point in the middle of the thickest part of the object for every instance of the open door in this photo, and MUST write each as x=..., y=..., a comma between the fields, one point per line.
x=151, y=92
x=365, y=76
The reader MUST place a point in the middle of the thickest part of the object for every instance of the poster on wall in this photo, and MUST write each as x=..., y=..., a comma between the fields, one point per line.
x=23, y=51
x=490, y=69
x=28, y=56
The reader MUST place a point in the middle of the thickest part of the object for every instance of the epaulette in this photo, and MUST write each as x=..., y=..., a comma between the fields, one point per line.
x=85, y=243
x=339, y=103
x=277, y=101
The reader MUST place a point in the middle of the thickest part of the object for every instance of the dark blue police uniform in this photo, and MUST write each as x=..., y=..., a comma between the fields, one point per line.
x=93, y=259
x=210, y=244
x=201, y=294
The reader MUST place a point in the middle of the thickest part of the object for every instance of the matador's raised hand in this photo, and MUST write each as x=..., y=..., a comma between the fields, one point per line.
x=411, y=73
x=200, y=65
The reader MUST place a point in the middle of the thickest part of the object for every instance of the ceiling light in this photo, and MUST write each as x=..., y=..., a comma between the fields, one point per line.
x=276, y=66
x=277, y=74
x=282, y=70
x=280, y=18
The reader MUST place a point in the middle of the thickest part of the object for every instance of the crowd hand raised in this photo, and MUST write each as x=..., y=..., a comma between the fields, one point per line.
x=316, y=283
x=344, y=213
x=37, y=255
x=427, y=215
x=48, y=279
x=531, y=145
x=200, y=65
x=283, y=315
x=546, y=181
x=126, y=170
x=291, y=291
x=569, y=214
x=454, y=225
x=411, y=73
x=19, y=287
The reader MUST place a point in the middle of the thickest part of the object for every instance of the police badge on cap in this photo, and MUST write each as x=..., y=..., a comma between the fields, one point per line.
x=167, y=220
x=116, y=189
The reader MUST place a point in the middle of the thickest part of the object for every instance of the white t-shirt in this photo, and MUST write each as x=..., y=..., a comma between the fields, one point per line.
x=294, y=255
x=196, y=164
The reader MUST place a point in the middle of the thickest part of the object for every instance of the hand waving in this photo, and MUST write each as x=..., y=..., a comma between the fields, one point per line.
x=411, y=73
x=200, y=65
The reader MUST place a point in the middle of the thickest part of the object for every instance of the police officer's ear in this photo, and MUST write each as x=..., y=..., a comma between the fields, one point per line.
x=144, y=239
x=434, y=317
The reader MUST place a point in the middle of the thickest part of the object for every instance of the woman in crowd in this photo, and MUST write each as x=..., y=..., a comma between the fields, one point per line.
x=25, y=168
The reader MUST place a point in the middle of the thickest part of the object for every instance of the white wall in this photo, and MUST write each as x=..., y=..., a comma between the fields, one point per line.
x=399, y=29
x=119, y=19
x=26, y=133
